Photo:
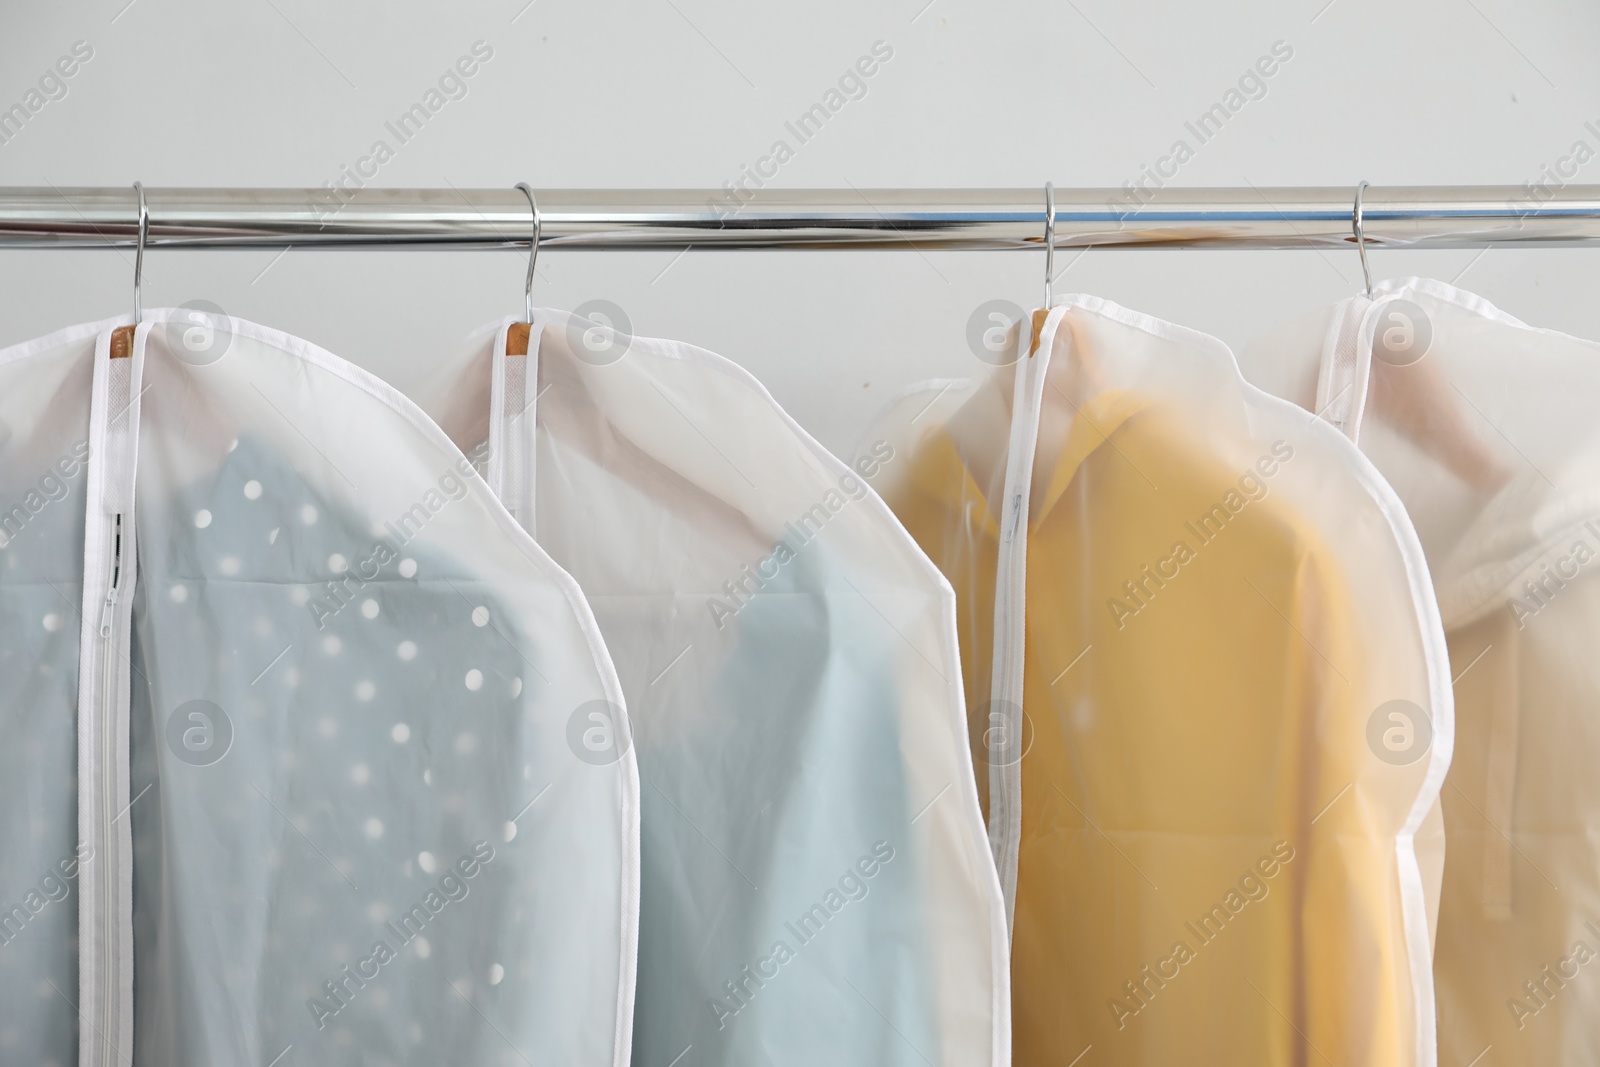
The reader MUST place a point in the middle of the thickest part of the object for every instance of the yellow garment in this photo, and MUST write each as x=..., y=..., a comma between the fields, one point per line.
x=1193, y=748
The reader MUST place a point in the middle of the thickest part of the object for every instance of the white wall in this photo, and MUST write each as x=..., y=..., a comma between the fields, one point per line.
x=683, y=93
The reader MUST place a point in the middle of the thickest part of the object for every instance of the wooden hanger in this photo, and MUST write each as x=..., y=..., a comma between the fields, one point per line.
x=517, y=336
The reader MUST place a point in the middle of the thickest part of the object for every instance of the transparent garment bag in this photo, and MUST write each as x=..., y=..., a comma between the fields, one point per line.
x=362, y=830
x=1207, y=695
x=816, y=885
x=44, y=454
x=1486, y=428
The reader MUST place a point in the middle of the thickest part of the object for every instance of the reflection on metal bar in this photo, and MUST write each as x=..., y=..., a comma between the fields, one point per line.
x=931, y=219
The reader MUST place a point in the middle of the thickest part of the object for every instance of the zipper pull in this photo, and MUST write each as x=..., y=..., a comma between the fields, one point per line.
x=110, y=604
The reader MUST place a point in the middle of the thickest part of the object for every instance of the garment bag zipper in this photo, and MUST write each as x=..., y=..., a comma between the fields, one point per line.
x=1010, y=615
x=109, y=943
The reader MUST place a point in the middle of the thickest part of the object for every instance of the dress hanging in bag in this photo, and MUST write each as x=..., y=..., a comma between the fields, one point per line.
x=816, y=887
x=1189, y=615
x=1486, y=428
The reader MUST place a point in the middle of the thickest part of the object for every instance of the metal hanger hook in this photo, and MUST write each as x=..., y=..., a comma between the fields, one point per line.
x=1049, y=244
x=1361, y=237
x=138, y=256
x=533, y=247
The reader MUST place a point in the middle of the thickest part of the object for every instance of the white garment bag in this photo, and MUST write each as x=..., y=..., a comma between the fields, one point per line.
x=816, y=884
x=330, y=703
x=1197, y=631
x=44, y=454
x=1487, y=429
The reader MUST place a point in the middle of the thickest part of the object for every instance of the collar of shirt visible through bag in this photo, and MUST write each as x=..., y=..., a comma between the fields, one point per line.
x=1093, y=423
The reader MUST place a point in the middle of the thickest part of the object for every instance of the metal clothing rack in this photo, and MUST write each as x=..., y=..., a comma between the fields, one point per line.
x=729, y=218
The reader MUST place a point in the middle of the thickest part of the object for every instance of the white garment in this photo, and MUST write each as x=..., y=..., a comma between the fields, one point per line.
x=1486, y=427
x=816, y=884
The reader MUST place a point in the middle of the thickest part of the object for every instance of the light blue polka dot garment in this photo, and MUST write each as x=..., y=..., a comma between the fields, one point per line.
x=385, y=747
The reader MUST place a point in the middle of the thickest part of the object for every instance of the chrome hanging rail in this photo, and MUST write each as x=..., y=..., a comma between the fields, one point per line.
x=594, y=219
